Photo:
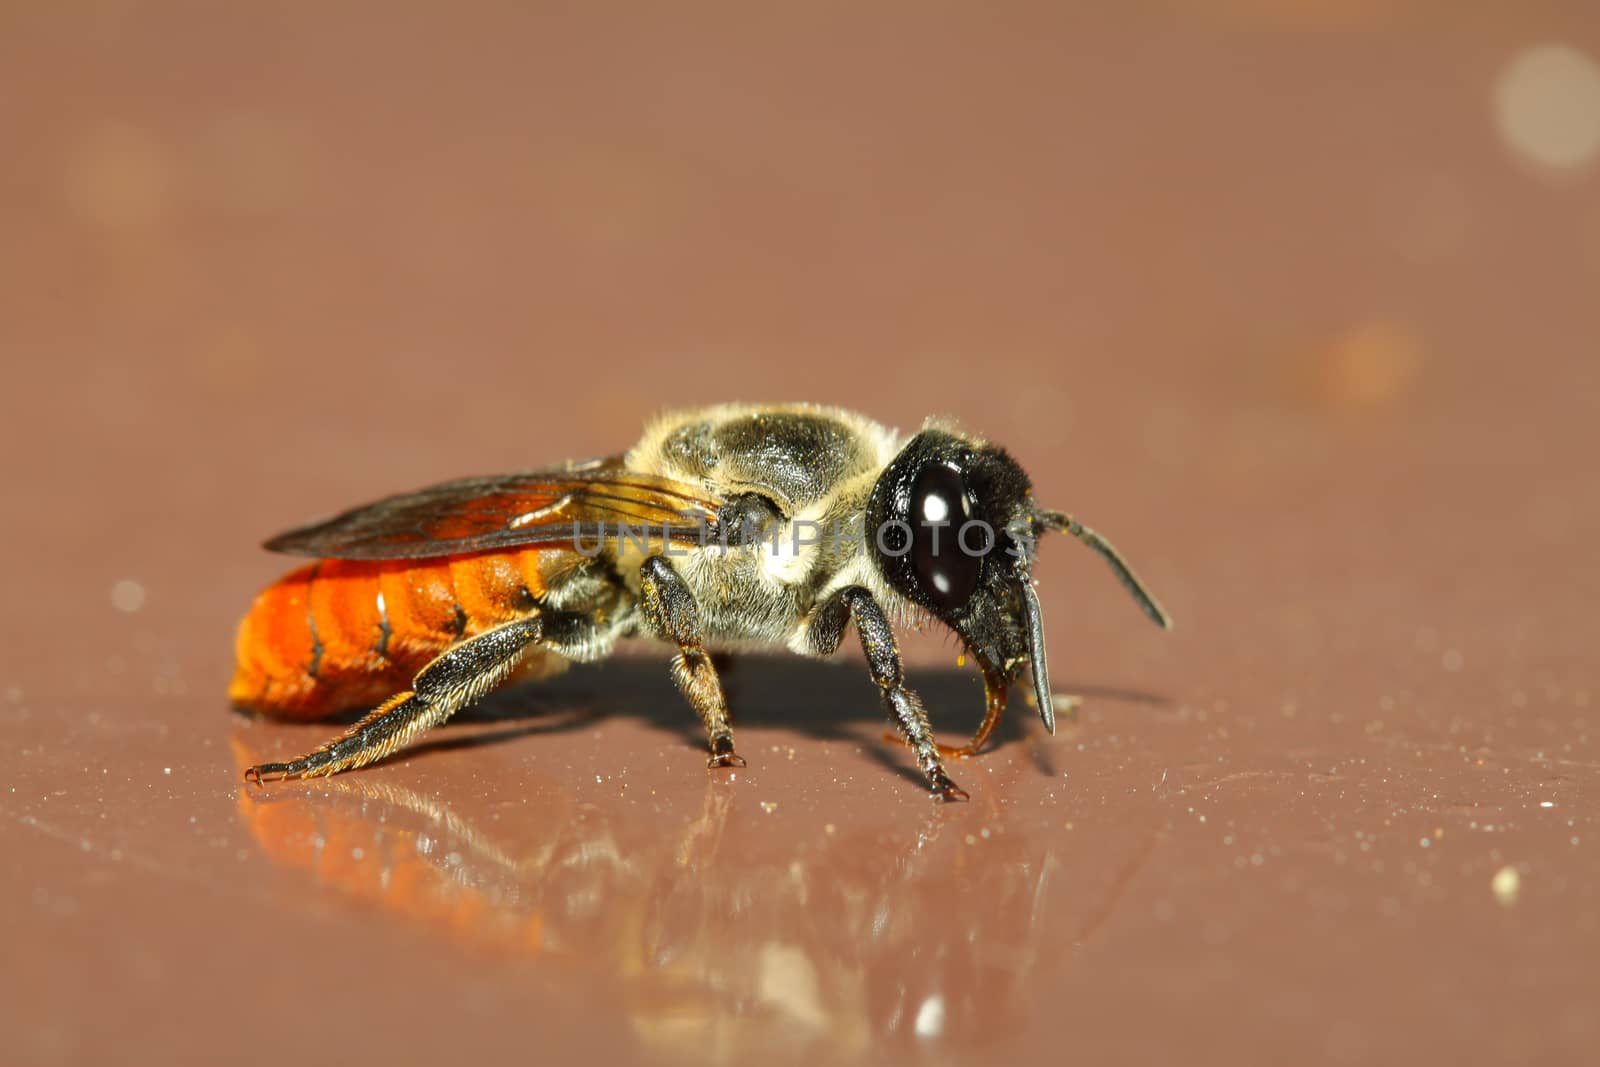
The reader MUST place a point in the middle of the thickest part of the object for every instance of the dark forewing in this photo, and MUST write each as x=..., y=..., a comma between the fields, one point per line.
x=549, y=507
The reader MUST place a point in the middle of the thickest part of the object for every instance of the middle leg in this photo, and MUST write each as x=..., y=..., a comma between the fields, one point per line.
x=670, y=610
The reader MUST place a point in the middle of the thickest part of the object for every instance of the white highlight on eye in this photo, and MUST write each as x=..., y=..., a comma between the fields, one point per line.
x=941, y=582
x=934, y=509
x=1546, y=105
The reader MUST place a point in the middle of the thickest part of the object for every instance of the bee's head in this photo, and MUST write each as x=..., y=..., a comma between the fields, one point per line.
x=953, y=528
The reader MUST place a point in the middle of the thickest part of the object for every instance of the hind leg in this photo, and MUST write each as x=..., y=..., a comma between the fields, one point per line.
x=455, y=679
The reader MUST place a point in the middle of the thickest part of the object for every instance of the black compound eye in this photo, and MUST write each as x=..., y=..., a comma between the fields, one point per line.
x=940, y=506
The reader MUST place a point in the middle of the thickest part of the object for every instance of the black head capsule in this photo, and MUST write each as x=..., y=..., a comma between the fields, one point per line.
x=966, y=526
x=964, y=511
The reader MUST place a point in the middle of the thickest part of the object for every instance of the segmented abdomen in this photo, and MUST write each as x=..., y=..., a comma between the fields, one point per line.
x=338, y=634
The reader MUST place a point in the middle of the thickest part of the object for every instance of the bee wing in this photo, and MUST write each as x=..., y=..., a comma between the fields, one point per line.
x=577, y=504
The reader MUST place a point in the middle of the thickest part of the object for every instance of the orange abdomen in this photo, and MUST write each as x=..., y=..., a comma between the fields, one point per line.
x=339, y=634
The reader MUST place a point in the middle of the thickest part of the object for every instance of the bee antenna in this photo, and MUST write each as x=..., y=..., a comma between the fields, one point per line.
x=1056, y=520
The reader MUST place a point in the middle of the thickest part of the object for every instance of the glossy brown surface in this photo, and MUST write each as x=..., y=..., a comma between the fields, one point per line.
x=1294, y=301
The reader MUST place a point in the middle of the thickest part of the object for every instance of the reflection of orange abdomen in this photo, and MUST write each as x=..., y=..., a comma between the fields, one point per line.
x=338, y=634
x=388, y=858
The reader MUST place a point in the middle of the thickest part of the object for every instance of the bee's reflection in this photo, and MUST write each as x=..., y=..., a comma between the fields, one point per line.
x=723, y=938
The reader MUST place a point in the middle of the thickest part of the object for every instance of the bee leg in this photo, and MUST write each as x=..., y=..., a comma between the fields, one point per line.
x=456, y=678
x=670, y=610
x=883, y=659
x=995, y=689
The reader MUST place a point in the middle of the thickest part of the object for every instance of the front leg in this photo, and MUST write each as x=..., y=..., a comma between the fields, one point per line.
x=883, y=659
x=670, y=610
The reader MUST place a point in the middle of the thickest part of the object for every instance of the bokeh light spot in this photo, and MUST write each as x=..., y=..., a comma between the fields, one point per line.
x=1547, y=106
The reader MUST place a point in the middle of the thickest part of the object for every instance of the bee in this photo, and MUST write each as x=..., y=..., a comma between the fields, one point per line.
x=728, y=527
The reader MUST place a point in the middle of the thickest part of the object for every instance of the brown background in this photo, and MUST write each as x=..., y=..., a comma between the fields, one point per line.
x=1263, y=289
